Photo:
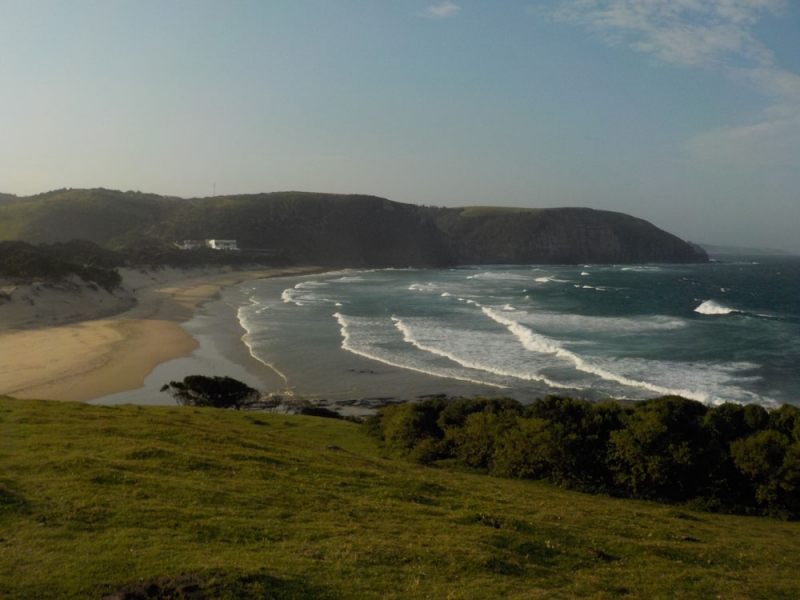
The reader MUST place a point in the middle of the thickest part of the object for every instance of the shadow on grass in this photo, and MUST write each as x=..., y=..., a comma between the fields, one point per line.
x=10, y=500
x=208, y=585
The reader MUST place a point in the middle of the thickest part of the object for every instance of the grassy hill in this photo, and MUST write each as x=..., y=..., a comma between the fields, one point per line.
x=97, y=215
x=255, y=505
x=343, y=230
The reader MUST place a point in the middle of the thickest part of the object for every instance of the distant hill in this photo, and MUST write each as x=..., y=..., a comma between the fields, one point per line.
x=715, y=250
x=344, y=230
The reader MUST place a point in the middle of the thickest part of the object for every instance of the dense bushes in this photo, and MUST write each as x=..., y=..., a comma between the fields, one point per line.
x=730, y=457
x=22, y=261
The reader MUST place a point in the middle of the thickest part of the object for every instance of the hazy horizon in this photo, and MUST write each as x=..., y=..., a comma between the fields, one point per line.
x=682, y=113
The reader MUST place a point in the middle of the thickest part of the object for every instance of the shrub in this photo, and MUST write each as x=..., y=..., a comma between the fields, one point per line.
x=218, y=392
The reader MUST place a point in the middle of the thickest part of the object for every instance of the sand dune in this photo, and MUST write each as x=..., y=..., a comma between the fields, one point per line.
x=62, y=342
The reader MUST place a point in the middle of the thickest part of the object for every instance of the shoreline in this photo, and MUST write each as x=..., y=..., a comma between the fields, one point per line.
x=88, y=357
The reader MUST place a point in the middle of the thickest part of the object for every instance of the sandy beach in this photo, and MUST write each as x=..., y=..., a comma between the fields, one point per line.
x=63, y=343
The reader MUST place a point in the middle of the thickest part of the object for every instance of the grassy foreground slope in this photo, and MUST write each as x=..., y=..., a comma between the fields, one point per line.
x=272, y=506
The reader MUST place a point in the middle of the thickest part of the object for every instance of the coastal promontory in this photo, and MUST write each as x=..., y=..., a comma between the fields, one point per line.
x=343, y=230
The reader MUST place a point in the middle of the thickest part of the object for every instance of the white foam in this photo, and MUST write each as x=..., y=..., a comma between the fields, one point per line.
x=641, y=269
x=560, y=323
x=446, y=294
x=535, y=342
x=422, y=287
x=246, y=339
x=584, y=274
x=502, y=276
x=709, y=307
x=304, y=293
x=305, y=285
x=544, y=279
x=348, y=279
x=288, y=296
x=372, y=352
x=427, y=346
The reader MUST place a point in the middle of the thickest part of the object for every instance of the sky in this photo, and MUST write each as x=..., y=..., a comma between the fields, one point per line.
x=682, y=112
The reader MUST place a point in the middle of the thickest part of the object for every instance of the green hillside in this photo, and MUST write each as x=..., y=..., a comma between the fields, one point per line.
x=96, y=215
x=344, y=230
x=225, y=504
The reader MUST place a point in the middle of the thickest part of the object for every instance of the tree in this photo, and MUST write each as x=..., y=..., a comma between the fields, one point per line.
x=660, y=452
x=772, y=463
x=219, y=392
x=406, y=425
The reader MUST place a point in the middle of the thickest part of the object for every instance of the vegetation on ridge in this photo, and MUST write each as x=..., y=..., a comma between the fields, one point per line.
x=23, y=262
x=110, y=500
x=344, y=230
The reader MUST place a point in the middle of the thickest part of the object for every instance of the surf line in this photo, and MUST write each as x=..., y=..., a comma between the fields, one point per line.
x=242, y=318
x=410, y=339
x=349, y=347
x=535, y=342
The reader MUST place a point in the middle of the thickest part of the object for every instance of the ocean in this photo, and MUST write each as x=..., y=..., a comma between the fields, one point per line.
x=716, y=332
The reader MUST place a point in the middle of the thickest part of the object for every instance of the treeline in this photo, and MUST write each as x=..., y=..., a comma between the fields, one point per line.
x=22, y=262
x=729, y=458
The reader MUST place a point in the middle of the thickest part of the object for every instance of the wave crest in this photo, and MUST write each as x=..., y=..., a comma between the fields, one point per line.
x=709, y=307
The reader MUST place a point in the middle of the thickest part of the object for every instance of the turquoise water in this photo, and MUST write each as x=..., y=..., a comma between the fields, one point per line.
x=717, y=332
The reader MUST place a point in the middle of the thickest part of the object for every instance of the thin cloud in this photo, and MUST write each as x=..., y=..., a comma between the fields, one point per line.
x=711, y=34
x=774, y=141
x=683, y=32
x=443, y=10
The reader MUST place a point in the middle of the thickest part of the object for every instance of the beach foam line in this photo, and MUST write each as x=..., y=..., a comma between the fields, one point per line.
x=409, y=338
x=535, y=342
x=348, y=345
x=248, y=332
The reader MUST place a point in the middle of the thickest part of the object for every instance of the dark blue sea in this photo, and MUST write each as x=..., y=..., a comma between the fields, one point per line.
x=723, y=331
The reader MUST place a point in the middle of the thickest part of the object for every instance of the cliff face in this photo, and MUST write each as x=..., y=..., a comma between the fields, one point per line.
x=562, y=236
x=346, y=230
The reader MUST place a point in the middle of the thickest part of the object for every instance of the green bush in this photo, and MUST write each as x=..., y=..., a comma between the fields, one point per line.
x=728, y=458
x=217, y=392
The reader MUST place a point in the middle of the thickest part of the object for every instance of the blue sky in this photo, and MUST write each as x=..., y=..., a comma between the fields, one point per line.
x=682, y=112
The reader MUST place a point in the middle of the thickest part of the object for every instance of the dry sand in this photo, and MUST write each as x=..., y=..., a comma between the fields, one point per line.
x=89, y=354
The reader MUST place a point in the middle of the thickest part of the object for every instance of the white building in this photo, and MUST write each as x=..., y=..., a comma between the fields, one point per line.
x=191, y=244
x=222, y=244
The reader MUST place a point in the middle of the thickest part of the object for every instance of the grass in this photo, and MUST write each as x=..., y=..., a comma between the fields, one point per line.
x=275, y=506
